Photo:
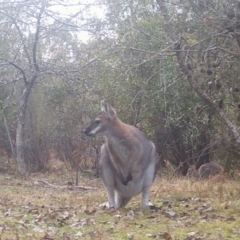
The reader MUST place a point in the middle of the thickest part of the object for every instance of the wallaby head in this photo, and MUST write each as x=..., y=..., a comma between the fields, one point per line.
x=103, y=121
x=205, y=171
x=193, y=172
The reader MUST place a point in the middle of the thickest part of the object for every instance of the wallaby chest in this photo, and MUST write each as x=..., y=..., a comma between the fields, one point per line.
x=120, y=154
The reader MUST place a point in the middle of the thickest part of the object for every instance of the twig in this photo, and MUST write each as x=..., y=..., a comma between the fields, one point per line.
x=47, y=184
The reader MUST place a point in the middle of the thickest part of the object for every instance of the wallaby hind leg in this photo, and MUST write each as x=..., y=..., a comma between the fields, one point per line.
x=149, y=176
x=108, y=181
x=121, y=201
x=145, y=197
x=107, y=175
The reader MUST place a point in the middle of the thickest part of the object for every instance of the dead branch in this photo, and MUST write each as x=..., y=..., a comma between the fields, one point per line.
x=44, y=183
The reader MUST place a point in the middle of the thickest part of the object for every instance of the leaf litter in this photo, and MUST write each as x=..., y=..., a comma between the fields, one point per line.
x=31, y=211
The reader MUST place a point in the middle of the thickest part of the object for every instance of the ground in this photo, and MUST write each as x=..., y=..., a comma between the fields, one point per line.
x=184, y=209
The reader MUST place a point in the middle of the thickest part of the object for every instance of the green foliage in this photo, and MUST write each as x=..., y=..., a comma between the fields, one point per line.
x=133, y=67
x=130, y=60
x=8, y=111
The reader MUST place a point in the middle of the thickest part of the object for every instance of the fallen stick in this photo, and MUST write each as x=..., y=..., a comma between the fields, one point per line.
x=48, y=184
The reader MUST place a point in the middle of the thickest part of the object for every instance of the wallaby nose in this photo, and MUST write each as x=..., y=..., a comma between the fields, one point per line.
x=87, y=132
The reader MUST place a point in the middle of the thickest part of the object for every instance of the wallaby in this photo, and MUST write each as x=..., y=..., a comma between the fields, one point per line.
x=205, y=171
x=128, y=160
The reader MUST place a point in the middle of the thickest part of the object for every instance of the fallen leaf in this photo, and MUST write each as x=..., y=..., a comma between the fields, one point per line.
x=130, y=236
x=192, y=234
x=79, y=234
x=221, y=237
x=170, y=214
x=38, y=229
x=104, y=205
x=149, y=235
x=8, y=212
x=165, y=236
x=90, y=212
x=130, y=215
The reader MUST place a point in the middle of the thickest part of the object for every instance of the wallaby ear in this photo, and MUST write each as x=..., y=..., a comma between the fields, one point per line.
x=104, y=106
x=108, y=109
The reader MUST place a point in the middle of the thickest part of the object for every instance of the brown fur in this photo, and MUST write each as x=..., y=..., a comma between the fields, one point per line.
x=206, y=170
x=128, y=159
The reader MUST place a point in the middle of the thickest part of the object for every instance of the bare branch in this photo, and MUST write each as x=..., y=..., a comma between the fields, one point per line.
x=23, y=42
x=17, y=67
x=44, y=183
x=36, y=39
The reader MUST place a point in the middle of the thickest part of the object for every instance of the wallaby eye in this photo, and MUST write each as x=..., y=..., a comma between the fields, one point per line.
x=97, y=121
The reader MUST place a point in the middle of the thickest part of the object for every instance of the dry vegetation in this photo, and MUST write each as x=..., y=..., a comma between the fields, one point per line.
x=184, y=209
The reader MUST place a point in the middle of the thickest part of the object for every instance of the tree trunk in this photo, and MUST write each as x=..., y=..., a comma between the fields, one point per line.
x=21, y=165
x=20, y=144
x=28, y=85
x=9, y=136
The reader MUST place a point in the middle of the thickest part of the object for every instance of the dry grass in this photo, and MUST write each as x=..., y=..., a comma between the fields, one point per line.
x=184, y=209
